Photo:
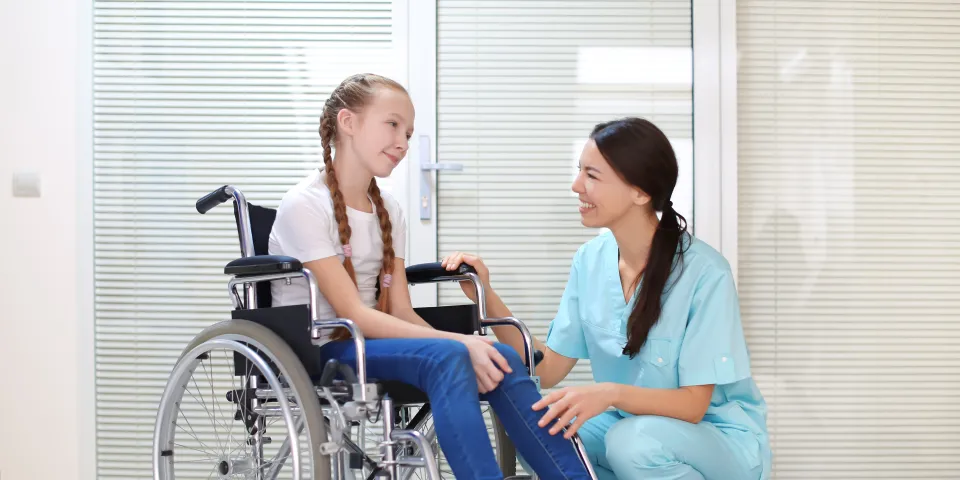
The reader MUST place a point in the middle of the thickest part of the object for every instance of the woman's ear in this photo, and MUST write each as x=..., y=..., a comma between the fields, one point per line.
x=640, y=198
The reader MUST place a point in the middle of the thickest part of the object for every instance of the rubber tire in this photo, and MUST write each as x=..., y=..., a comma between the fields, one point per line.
x=296, y=375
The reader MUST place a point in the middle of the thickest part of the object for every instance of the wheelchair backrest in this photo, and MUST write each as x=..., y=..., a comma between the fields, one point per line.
x=261, y=223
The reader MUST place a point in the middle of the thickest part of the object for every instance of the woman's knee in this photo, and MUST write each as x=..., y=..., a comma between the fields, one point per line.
x=639, y=441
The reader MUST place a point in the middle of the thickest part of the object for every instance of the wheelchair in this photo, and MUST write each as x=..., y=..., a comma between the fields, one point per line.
x=243, y=384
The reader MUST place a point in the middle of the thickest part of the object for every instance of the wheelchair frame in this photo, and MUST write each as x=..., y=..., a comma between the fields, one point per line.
x=350, y=401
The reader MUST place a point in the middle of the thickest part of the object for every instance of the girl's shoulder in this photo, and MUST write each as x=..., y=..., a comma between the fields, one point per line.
x=310, y=196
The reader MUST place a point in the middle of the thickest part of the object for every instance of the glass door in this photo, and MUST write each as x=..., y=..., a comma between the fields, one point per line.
x=506, y=94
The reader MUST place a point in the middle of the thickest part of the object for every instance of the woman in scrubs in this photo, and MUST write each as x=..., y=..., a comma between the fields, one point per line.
x=656, y=312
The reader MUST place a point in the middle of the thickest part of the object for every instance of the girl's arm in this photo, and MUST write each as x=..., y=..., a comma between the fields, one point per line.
x=400, y=304
x=337, y=287
x=339, y=290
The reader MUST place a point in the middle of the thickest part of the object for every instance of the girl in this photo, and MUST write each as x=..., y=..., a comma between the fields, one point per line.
x=656, y=312
x=351, y=237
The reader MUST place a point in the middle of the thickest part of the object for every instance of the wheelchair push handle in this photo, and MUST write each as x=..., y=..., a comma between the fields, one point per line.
x=213, y=199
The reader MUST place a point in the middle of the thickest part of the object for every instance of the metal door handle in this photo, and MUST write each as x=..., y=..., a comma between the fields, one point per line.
x=454, y=167
x=426, y=166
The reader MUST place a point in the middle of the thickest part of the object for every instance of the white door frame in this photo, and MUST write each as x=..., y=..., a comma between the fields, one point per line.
x=422, y=84
x=714, y=124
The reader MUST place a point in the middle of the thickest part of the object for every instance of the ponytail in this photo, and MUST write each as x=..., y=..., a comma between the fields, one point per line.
x=665, y=249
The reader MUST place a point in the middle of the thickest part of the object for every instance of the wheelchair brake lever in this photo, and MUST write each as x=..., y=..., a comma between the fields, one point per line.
x=330, y=370
x=329, y=373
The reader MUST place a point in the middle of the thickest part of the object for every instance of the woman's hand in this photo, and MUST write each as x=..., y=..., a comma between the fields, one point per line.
x=453, y=261
x=583, y=403
x=487, y=361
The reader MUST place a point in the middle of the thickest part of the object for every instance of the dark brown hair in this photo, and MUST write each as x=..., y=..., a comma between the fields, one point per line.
x=353, y=94
x=643, y=156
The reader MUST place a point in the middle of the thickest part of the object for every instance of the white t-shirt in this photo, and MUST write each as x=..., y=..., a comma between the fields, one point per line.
x=306, y=229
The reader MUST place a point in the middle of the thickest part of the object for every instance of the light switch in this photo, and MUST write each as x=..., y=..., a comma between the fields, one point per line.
x=26, y=184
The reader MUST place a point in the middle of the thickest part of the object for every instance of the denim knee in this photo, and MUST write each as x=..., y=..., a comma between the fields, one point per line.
x=513, y=358
x=450, y=358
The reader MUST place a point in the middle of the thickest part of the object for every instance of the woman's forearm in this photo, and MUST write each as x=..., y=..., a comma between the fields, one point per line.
x=507, y=334
x=552, y=369
x=685, y=403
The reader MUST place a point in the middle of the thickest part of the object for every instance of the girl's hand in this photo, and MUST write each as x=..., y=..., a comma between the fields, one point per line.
x=583, y=403
x=487, y=361
x=453, y=261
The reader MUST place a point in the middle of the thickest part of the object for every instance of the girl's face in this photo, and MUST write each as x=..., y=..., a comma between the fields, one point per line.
x=380, y=133
x=605, y=197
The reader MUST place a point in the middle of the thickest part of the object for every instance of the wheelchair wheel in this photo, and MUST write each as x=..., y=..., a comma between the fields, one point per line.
x=239, y=405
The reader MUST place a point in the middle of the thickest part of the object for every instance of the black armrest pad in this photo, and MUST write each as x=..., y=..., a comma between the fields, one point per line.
x=262, y=265
x=431, y=272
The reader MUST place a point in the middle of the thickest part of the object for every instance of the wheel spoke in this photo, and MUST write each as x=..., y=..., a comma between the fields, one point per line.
x=195, y=450
x=192, y=431
x=215, y=400
x=204, y=405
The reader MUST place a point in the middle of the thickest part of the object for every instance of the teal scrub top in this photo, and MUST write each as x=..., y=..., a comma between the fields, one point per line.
x=697, y=341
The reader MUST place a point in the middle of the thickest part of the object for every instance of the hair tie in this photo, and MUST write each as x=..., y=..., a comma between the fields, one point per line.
x=387, y=280
x=347, y=251
x=669, y=204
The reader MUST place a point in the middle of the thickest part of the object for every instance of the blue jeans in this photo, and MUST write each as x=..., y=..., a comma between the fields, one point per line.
x=442, y=369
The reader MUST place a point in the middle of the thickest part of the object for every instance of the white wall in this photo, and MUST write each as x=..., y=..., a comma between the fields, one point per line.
x=45, y=292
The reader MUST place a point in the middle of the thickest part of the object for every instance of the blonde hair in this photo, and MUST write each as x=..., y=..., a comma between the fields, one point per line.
x=354, y=93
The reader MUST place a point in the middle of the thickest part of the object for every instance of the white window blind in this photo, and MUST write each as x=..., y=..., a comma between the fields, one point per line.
x=520, y=86
x=849, y=123
x=189, y=96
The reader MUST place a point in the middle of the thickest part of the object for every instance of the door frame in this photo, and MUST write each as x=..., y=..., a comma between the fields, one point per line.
x=715, y=123
x=422, y=85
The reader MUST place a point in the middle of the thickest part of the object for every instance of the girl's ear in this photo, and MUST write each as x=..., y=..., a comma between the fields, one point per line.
x=347, y=122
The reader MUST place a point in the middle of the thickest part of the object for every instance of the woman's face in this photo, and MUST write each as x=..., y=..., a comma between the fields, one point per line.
x=605, y=197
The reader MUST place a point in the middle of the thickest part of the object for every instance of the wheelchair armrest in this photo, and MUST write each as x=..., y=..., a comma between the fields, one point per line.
x=433, y=272
x=262, y=265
